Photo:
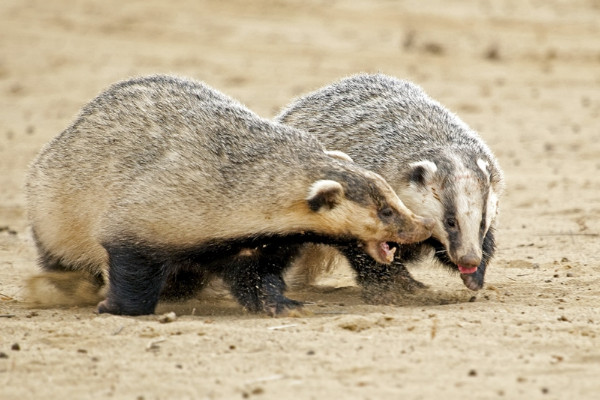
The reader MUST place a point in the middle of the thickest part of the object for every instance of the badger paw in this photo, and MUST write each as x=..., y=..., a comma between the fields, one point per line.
x=108, y=307
x=281, y=307
x=404, y=282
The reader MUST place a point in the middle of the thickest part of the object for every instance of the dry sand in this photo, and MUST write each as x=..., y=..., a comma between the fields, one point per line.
x=525, y=74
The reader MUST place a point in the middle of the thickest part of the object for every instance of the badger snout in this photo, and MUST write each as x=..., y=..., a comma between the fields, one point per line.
x=468, y=263
x=428, y=223
x=417, y=229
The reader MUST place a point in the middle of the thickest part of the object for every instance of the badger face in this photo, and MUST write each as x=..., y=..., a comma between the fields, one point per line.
x=460, y=197
x=369, y=210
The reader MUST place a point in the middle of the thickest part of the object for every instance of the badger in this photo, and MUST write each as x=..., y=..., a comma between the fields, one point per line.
x=161, y=181
x=438, y=166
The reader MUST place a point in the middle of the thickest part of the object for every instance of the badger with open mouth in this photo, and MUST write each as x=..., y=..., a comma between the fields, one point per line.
x=162, y=182
x=437, y=165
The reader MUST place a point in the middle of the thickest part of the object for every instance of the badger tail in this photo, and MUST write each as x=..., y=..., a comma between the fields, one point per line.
x=65, y=288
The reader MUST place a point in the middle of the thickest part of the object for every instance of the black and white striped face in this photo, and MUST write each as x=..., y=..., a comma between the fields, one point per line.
x=458, y=194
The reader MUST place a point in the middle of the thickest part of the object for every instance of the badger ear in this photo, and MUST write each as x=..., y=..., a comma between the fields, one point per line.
x=340, y=155
x=483, y=165
x=421, y=171
x=324, y=193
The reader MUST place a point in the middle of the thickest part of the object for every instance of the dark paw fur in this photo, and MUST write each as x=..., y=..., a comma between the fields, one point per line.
x=107, y=307
x=281, y=306
x=402, y=281
x=184, y=285
x=265, y=296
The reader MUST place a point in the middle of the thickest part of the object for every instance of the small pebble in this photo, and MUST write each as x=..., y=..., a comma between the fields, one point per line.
x=15, y=347
x=168, y=317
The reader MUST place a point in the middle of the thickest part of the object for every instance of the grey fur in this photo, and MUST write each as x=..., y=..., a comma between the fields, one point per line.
x=432, y=159
x=165, y=166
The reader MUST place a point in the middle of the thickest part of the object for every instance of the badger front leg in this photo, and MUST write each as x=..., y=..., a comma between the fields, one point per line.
x=380, y=282
x=184, y=283
x=255, y=278
x=135, y=281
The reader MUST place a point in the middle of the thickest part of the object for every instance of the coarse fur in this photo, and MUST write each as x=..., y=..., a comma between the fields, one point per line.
x=162, y=182
x=438, y=166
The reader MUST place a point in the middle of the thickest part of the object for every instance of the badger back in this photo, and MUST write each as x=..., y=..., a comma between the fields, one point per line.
x=203, y=154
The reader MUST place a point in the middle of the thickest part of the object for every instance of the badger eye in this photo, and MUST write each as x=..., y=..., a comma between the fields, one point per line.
x=451, y=223
x=386, y=212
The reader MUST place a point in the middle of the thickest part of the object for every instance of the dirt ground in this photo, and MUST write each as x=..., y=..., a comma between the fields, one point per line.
x=525, y=74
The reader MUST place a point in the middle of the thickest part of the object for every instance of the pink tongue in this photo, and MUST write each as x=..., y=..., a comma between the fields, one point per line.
x=389, y=254
x=467, y=271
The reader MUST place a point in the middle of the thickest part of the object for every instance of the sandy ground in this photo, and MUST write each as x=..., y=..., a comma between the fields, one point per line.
x=525, y=74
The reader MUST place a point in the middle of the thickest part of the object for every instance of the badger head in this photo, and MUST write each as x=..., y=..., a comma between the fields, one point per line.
x=363, y=206
x=461, y=195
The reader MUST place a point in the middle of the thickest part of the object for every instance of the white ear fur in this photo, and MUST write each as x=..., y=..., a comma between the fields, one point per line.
x=421, y=171
x=428, y=165
x=339, y=155
x=483, y=166
x=324, y=193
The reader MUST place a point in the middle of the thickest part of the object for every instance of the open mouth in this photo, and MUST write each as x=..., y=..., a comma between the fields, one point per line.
x=382, y=252
x=466, y=270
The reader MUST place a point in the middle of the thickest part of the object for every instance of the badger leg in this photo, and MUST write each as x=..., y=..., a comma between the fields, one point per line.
x=46, y=260
x=53, y=264
x=135, y=281
x=274, y=261
x=61, y=284
x=256, y=279
x=184, y=284
x=380, y=281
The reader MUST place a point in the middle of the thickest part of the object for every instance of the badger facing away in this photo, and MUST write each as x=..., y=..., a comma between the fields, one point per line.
x=438, y=166
x=162, y=179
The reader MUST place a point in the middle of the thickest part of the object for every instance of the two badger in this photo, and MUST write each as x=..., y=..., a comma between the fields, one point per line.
x=160, y=179
x=162, y=183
